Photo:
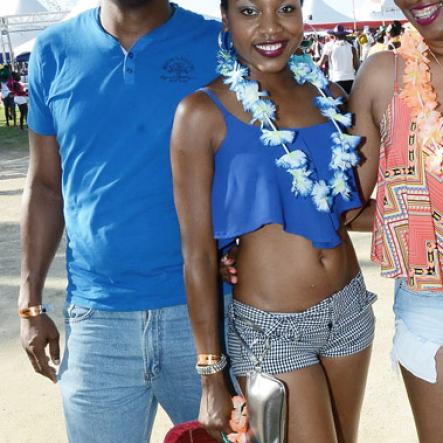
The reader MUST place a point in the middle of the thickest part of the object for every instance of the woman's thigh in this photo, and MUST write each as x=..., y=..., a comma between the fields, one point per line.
x=346, y=378
x=309, y=414
x=427, y=403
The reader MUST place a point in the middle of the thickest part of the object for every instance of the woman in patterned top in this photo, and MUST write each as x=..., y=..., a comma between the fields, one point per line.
x=396, y=100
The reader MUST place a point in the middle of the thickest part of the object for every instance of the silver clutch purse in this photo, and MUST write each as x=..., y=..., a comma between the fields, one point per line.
x=266, y=396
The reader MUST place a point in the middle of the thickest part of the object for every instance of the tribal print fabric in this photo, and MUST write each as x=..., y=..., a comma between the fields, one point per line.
x=408, y=230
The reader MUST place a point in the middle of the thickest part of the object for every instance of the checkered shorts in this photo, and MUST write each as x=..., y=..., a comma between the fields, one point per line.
x=340, y=325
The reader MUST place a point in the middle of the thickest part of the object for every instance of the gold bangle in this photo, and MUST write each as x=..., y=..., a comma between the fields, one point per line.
x=33, y=311
x=208, y=359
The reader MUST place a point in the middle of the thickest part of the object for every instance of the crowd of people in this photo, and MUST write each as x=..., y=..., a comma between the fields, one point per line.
x=339, y=52
x=258, y=178
x=13, y=95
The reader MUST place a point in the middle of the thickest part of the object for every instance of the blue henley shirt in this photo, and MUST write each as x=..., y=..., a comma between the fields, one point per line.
x=112, y=112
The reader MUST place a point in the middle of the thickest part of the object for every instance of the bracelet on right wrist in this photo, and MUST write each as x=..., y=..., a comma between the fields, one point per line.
x=33, y=311
x=212, y=368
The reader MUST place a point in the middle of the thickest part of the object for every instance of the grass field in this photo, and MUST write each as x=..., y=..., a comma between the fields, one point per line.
x=11, y=137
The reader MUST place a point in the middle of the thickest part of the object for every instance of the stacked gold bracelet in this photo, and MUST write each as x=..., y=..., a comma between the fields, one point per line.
x=208, y=364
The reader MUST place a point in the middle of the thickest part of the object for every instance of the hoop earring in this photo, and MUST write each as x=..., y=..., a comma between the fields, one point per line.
x=224, y=41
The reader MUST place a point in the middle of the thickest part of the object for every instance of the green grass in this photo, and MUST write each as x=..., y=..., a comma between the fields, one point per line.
x=11, y=137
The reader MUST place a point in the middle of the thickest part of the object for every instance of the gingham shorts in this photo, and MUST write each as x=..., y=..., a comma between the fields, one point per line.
x=341, y=325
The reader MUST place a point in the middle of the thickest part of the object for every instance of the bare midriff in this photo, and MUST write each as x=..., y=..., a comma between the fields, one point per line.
x=281, y=272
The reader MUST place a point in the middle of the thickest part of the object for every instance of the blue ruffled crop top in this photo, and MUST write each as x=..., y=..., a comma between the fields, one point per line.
x=250, y=190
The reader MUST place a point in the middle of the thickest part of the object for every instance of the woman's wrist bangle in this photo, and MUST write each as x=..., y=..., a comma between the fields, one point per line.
x=33, y=311
x=213, y=368
x=208, y=359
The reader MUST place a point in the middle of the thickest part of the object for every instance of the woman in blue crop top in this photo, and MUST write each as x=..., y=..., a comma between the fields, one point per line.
x=300, y=305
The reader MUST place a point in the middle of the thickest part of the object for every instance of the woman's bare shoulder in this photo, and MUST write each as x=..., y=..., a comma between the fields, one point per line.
x=375, y=84
x=196, y=106
x=199, y=106
x=200, y=116
x=377, y=73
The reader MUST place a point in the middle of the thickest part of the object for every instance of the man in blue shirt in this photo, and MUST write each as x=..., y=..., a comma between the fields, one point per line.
x=103, y=91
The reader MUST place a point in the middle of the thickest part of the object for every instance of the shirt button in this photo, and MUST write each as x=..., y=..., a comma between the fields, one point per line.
x=129, y=71
x=131, y=55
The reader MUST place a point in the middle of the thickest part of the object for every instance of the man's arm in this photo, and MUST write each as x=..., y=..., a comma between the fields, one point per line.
x=42, y=226
x=323, y=59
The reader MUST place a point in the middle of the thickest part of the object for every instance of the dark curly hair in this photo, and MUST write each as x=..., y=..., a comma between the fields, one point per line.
x=224, y=3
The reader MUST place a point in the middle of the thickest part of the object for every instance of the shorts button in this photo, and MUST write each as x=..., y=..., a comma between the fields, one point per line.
x=330, y=325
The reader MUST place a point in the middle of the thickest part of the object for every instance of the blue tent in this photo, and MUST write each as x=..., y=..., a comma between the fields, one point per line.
x=8, y=58
x=23, y=57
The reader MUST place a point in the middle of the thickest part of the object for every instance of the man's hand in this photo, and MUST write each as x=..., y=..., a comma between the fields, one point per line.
x=37, y=333
x=227, y=268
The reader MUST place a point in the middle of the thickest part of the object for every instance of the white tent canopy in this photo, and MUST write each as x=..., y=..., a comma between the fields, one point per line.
x=18, y=7
x=350, y=11
x=379, y=10
x=319, y=12
x=80, y=7
x=21, y=7
x=25, y=47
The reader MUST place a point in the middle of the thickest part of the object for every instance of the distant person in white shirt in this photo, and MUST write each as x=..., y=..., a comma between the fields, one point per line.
x=342, y=59
x=366, y=41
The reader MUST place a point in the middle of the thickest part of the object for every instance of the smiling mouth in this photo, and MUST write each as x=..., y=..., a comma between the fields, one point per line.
x=426, y=14
x=271, y=49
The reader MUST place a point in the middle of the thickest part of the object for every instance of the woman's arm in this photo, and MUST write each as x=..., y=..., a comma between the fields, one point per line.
x=363, y=219
x=372, y=91
x=197, y=132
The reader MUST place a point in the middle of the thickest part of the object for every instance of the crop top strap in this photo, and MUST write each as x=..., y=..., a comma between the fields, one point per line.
x=216, y=101
x=328, y=91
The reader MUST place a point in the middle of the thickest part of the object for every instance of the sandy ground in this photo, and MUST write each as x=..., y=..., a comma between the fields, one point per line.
x=30, y=407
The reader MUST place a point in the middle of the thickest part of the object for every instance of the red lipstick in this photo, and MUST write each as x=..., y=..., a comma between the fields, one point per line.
x=271, y=49
x=426, y=14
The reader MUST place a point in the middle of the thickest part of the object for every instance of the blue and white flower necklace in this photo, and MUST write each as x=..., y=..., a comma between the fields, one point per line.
x=263, y=110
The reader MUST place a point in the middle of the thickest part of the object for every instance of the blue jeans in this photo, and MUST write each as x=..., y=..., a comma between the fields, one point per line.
x=118, y=366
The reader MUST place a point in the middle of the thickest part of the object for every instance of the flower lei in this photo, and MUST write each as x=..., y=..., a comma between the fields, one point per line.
x=420, y=96
x=296, y=163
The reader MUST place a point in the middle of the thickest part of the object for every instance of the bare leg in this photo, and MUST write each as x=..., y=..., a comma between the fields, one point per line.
x=14, y=115
x=310, y=416
x=25, y=113
x=22, y=115
x=427, y=403
x=6, y=113
x=346, y=378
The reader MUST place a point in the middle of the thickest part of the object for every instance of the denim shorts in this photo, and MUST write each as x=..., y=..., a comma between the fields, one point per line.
x=418, y=330
x=340, y=325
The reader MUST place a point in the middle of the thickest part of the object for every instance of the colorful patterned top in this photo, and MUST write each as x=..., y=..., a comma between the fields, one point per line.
x=408, y=231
